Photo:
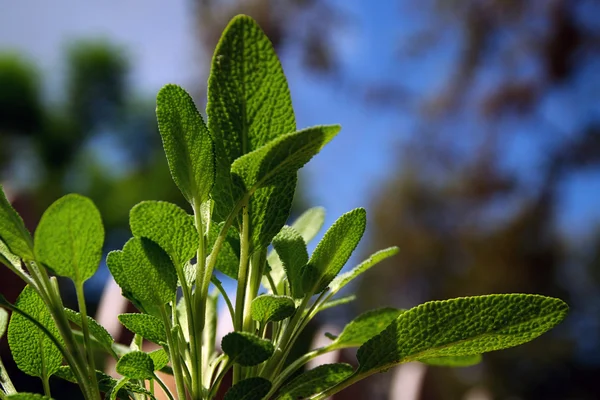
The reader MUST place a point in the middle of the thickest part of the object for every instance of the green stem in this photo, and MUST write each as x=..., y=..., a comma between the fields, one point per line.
x=163, y=387
x=272, y=283
x=3, y=395
x=86, y=334
x=242, y=283
x=46, y=383
x=199, y=308
x=173, y=354
x=215, y=386
x=339, y=387
x=221, y=289
x=256, y=271
x=5, y=381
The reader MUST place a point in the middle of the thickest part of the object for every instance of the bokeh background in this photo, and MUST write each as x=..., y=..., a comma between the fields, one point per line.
x=471, y=133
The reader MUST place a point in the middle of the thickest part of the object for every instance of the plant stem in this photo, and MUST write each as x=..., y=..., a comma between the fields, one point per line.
x=199, y=308
x=217, y=383
x=242, y=283
x=5, y=381
x=173, y=354
x=86, y=334
x=221, y=289
x=163, y=387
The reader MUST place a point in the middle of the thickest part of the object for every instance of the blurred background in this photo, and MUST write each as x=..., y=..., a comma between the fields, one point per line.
x=471, y=133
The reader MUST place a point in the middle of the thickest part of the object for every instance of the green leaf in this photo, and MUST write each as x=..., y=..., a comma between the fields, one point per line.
x=343, y=279
x=315, y=381
x=9, y=259
x=187, y=143
x=456, y=361
x=291, y=249
x=69, y=238
x=28, y=396
x=136, y=365
x=167, y=225
x=3, y=321
x=228, y=261
x=279, y=158
x=267, y=308
x=310, y=223
x=12, y=230
x=249, y=103
x=160, y=359
x=147, y=326
x=31, y=349
x=246, y=349
x=365, y=326
x=333, y=251
x=337, y=302
x=145, y=271
x=249, y=389
x=97, y=330
x=461, y=327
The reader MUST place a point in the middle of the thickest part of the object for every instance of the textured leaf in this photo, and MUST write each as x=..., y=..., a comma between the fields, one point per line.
x=291, y=249
x=147, y=326
x=249, y=389
x=187, y=143
x=145, y=271
x=310, y=223
x=97, y=330
x=461, y=327
x=267, y=308
x=457, y=361
x=334, y=250
x=167, y=225
x=12, y=230
x=9, y=259
x=28, y=396
x=246, y=349
x=69, y=238
x=30, y=347
x=228, y=261
x=136, y=365
x=315, y=381
x=365, y=326
x=3, y=321
x=160, y=359
x=249, y=103
x=343, y=279
x=281, y=157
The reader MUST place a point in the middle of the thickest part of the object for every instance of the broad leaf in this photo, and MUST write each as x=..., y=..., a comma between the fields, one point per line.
x=167, y=225
x=309, y=223
x=12, y=230
x=267, y=308
x=246, y=349
x=343, y=279
x=315, y=381
x=249, y=103
x=97, y=330
x=160, y=359
x=291, y=249
x=456, y=361
x=136, y=365
x=9, y=259
x=228, y=260
x=249, y=389
x=69, y=238
x=461, y=327
x=333, y=251
x=187, y=143
x=147, y=326
x=28, y=396
x=365, y=326
x=31, y=349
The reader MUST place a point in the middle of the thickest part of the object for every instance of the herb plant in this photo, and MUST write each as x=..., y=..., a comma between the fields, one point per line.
x=238, y=173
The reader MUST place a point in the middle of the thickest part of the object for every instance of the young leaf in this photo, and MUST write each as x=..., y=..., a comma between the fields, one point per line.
x=267, y=308
x=461, y=327
x=3, y=321
x=279, y=158
x=160, y=359
x=249, y=102
x=97, y=330
x=9, y=259
x=33, y=352
x=246, y=349
x=456, y=361
x=147, y=326
x=333, y=250
x=12, y=230
x=136, y=365
x=28, y=396
x=315, y=381
x=187, y=143
x=249, y=389
x=310, y=223
x=365, y=326
x=228, y=261
x=343, y=279
x=291, y=249
x=69, y=238
x=167, y=225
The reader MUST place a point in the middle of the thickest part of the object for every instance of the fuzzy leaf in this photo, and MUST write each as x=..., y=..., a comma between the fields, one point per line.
x=9, y=259
x=309, y=223
x=333, y=251
x=246, y=349
x=315, y=381
x=136, y=365
x=187, y=143
x=267, y=308
x=12, y=230
x=31, y=349
x=69, y=238
x=97, y=330
x=461, y=327
x=365, y=326
x=343, y=279
x=160, y=359
x=167, y=225
x=457, y=361
x=249, y=389
x=249, y=103
x=28, y=396
x=3, y=321
x=228, y=261
x=147, y=326
x=291, y=249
